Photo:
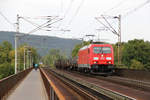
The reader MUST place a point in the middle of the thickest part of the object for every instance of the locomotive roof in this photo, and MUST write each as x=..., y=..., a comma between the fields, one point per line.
x=85, y=47
x=88, y=46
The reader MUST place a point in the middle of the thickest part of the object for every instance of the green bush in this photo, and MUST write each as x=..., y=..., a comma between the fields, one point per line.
x=136, y=64
x=5, y=70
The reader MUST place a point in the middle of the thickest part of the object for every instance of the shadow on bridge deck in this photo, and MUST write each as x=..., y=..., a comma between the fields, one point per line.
x=31, y=88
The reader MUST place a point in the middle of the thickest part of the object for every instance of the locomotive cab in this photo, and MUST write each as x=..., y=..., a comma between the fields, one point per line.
x=97, y=58
x=102, y=58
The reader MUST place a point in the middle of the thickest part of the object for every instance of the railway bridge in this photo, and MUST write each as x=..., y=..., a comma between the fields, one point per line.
x=53, y=84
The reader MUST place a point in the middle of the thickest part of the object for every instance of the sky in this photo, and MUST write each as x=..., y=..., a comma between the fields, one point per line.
x=78, y=16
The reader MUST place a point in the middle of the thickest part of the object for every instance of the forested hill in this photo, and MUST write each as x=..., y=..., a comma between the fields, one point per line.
x=42, y=43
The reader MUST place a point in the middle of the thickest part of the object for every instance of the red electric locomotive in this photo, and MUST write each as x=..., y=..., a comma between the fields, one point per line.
x=96, y=58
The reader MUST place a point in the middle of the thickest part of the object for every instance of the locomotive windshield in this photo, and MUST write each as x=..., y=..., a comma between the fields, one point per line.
x=102, y=50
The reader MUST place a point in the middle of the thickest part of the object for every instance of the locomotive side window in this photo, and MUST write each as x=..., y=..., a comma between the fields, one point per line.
x=102, y=50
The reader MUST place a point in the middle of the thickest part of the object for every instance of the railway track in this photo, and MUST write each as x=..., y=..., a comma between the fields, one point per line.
x=94, y=89
x=136, y=84
x=75, y=90
x=139, y=92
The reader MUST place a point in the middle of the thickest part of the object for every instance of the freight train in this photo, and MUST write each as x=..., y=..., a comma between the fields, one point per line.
x=93, y=58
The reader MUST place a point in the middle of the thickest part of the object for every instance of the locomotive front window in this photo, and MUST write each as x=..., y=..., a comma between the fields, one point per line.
x=97, y=49
x=106, y=50
x=102, y=50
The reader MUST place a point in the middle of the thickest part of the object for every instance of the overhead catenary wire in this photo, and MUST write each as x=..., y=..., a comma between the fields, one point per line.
x=39, y=27
x=75, y=14
x=43, y=25
x=69, y=7
x=34, y=24
x=132, y=10
x=126, y=14
x=6, y=19
x=77, y=11
x=108, y=27
x=115, y=6
x=136, y=9
x=66, y=12
x=110, y=9
x=113, y=30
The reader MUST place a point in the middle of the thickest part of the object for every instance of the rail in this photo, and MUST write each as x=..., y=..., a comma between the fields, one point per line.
x=10, y=82
x=109, y=93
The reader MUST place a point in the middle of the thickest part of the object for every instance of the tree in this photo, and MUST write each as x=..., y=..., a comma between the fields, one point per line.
x=5, y=70
x=52, y=56
x=7, y=58
x=136, y=65
x=5, y=48
x=5, y=61
x=137, y=50
x=77, y=48
x=33, y=53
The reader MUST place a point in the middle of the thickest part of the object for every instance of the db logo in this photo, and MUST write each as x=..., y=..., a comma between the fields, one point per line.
x=102, y=58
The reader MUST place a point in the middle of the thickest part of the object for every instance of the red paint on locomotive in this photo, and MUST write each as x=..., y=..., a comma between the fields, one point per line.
x=96, y=56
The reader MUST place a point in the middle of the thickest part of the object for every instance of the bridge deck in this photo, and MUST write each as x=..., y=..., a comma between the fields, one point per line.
x=31, y=88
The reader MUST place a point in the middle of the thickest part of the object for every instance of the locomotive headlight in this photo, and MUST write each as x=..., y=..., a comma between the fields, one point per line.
x=108, y=62
x=95, y=58
x=108, y=58
x=95, y=62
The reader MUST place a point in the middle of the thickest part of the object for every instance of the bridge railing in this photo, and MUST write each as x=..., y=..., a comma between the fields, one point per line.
x=50, y=86
x=141, y=75
x=10, y=82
